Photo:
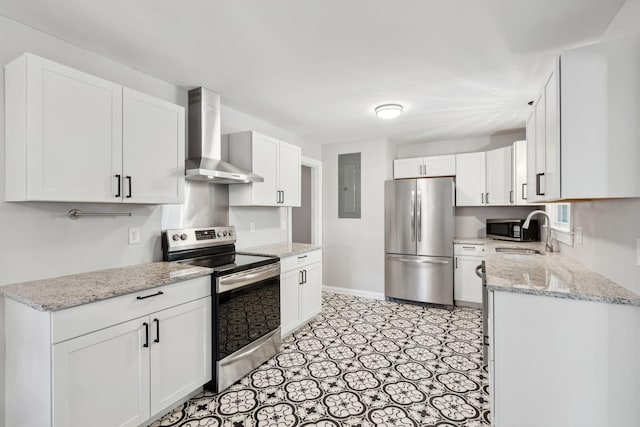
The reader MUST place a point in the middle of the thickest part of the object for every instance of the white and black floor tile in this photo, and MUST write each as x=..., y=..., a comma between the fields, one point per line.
x=360, y=363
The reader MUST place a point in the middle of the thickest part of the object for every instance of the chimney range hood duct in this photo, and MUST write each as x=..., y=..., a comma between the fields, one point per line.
x=205, y=148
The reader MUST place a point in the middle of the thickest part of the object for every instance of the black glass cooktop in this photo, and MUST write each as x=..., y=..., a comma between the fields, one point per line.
x=230, y=263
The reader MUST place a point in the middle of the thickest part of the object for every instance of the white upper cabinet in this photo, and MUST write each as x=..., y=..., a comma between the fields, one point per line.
x=520, y=183
x=63, y=133
x=276, y=161
x=594, y=92
x=420, y=167
x=470, y=179
x=70, y=135
x=153, y=147
x=485, y=178
x=499, y=183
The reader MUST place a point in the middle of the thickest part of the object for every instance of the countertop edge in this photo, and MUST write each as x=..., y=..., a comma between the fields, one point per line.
x=58, y=307
x=265, y=251
x=562, y=295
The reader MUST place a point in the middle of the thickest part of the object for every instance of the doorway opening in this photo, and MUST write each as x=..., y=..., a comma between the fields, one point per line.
x=306, y=221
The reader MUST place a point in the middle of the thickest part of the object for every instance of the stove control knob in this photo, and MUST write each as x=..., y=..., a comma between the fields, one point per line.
x=175, y=237
x=224, y=233
x=219, y=233
x=230, y=232
x=183, y=237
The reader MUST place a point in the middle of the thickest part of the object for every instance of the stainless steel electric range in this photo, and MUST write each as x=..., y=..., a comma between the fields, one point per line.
x=245, y=292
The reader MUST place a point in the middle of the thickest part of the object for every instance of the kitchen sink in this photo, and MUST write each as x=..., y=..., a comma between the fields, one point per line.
x=519, y=251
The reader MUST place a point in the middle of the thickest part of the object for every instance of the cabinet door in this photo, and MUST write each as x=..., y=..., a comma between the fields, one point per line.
x=552, y=136
x=408, y=168
x=531, y=157
x=499, y=176
x=539, y=168
x=440, y=166
x=289, y=173
x=311, y=291
x=520, y=185
x=470, y=179
x=102, y=378
x=181, y=342
x=290, y=283
x=153, y=146
x=74, y=132
x=264, y=151
x=467, y=286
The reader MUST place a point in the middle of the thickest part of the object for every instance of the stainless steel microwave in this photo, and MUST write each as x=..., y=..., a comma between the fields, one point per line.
x=511, y=229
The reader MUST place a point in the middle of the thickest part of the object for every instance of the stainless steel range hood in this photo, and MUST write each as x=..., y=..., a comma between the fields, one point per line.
x=205, y=148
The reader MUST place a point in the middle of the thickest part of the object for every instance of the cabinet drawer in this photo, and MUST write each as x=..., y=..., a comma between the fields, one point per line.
x=468, y=249
x=299, y=260
x=76, y=321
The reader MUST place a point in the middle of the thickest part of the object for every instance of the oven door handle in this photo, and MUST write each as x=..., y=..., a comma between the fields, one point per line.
x=248, y=277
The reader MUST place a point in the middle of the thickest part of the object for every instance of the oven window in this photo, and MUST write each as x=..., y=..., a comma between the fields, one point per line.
x=246, y=314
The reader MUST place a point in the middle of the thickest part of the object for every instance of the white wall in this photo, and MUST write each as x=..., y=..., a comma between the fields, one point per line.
x=466, y=145
x=353, y=249
x=268, y=223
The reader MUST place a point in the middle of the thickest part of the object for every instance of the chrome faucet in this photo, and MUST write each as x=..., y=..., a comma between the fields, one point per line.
x=548, y=246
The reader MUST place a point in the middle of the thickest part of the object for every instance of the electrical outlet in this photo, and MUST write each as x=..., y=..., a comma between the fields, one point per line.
x=252, y=227
x=637, y=251
x=578, y=235
x=134, y=236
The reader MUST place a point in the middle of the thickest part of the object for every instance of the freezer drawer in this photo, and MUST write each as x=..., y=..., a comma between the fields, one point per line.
x=419, y=278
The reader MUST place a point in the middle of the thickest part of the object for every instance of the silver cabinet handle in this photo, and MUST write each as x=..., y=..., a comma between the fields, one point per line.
x=482, y=198
x=419, y=209
x=417, y=261
x=524, y=191
x=302, y=256
x=413, y=216
x=486, y=198
x=510, y=196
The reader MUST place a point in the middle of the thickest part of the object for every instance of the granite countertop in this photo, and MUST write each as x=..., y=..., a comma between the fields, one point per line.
x=550, y=274
x=469, y=241
x=280, y=249
x=69, y=291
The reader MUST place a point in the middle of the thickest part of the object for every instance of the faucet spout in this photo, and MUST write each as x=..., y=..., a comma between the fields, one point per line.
x=527, y=222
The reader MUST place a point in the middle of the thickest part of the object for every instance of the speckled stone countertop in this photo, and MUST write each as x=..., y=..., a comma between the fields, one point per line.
x=280, y=249
x=550, y=274
x=468, y=241
x=63, y=292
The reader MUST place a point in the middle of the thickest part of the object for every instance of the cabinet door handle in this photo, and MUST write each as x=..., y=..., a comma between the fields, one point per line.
x=300, y=278
x=456, y=262
x=129, y=179
x=486, y=198
x=510, y=196
x=146, y=334
x=119, y=178
x=302, y=256
x=149, y=296
x=538, y=179
x=282, y=196
x=304, y=276
x=157, y=321
x=524, y=191
x=482, y=198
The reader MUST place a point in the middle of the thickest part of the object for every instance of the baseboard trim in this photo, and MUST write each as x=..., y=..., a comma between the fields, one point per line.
x=354, y=292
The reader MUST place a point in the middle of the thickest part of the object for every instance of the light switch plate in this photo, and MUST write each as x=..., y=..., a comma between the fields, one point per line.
x=578, y=235
x=134, y=236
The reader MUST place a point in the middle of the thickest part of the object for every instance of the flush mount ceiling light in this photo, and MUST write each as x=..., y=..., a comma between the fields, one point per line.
x=388, y=111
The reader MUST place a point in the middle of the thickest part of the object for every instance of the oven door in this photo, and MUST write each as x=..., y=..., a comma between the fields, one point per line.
x=247, y=314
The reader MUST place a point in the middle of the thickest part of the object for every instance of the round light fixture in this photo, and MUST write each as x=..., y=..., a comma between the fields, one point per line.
x=388, y=111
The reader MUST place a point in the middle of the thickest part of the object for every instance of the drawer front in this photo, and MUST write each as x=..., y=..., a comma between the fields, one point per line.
x=467, y=249
x=76, y=321
x=300, y=260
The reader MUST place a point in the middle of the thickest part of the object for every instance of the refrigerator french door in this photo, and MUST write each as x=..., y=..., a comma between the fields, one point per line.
x=419, y=233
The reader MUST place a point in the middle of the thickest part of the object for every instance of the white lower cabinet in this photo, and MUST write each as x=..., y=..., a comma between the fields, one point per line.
x=116, y=362
x=300, y=289
x=467, y=286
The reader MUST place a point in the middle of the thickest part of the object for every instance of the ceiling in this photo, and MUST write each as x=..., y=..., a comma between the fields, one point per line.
x=317, y=68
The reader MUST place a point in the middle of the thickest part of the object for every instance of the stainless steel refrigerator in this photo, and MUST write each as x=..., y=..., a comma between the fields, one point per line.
x=419, y=233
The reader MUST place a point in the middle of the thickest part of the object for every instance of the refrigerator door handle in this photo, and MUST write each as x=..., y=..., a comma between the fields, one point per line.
x=417, y=261
x=413, y=216
x=419, y=209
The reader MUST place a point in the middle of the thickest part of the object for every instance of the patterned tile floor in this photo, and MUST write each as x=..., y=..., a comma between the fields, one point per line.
x=361, y=362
